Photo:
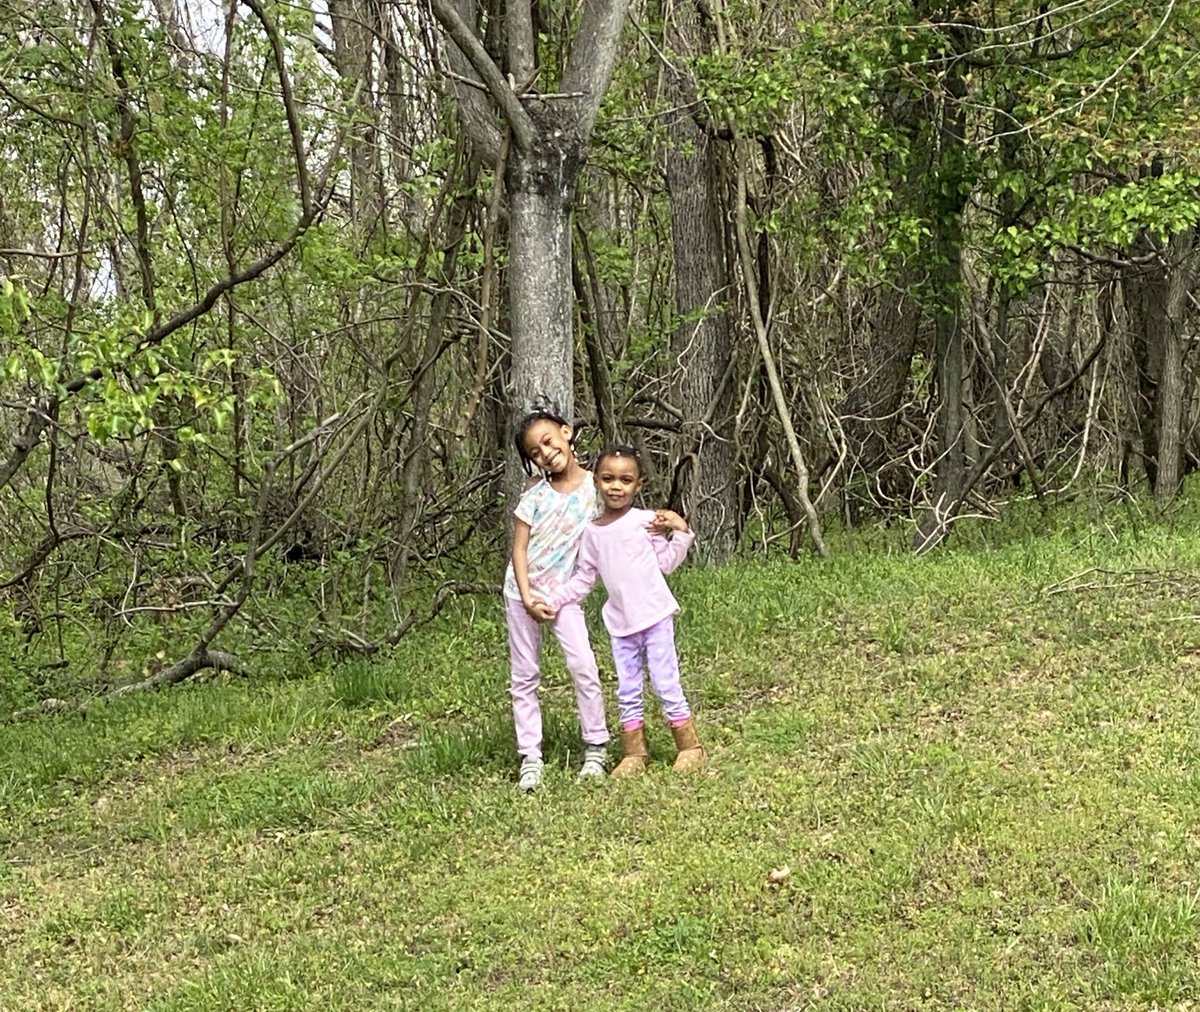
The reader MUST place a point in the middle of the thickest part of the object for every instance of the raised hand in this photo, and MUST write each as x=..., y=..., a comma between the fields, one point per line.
x=666, y=521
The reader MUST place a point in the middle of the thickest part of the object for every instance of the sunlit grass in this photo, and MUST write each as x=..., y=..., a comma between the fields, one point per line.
x=970, y=780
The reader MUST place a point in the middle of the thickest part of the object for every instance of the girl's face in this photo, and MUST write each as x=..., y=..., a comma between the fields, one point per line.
x=549, y=446
x=618, y=480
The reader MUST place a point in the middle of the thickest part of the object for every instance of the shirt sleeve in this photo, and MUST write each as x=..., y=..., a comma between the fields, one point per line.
x=526, y=508
x=582, y=580
x=671, y=551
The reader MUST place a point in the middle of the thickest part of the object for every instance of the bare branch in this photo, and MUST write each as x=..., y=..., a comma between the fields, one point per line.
x=469, y=45
x=289, y=103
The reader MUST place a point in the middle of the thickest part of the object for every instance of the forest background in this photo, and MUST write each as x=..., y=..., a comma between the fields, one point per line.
x=277, y=279
x=898, y=301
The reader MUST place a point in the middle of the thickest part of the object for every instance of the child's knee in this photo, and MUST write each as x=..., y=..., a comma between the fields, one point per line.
x=525, y=681
x=583, y=667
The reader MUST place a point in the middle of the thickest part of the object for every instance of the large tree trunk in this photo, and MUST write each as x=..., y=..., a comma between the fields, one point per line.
x=704, y=485
x=548, y=141
x=541, y=188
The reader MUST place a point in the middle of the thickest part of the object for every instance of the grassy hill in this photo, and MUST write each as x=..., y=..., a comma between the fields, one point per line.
x=962, y=781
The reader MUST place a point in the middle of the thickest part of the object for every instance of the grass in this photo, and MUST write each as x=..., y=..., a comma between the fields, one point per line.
x=970, y=780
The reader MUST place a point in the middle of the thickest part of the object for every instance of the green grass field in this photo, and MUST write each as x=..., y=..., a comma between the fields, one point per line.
x=970, y=780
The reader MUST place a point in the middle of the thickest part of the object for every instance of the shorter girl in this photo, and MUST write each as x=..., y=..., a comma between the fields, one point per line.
x=626, y=548
x=550, y=516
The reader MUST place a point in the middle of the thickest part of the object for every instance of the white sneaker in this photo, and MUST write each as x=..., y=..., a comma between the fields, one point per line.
x=594, y=757
x=531, y=774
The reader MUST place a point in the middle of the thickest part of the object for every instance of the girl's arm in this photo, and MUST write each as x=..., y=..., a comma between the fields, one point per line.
x=520, y=561
x=582, y=580
x=670, y=553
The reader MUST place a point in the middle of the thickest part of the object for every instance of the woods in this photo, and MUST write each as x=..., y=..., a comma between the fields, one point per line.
x=277, y=279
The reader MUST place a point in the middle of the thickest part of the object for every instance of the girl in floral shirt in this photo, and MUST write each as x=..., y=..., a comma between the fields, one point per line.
x=550, y=516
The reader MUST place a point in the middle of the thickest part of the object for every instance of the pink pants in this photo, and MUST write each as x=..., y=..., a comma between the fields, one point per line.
x=650, y=650
x=524, y=650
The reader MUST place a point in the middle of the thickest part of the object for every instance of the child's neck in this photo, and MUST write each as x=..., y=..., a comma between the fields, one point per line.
x=608, y=516
x=568, y=476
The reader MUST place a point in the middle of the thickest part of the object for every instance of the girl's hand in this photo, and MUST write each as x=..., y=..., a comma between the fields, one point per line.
x=666, y=521
x=539, y=610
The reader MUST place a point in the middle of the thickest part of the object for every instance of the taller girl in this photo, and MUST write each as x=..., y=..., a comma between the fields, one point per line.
x=550, y=516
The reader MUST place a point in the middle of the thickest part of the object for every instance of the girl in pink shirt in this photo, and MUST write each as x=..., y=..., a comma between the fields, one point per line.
x=629, y=550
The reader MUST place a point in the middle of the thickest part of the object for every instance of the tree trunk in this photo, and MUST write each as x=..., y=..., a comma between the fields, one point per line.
x=541, y=188
x=548, y=141
x=704, y=484
x=1145, y=289
x=1170, y=405
x=352, y=23
x=947, y=206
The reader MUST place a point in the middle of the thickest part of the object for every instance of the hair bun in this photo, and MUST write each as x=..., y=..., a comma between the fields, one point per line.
x=541, y=404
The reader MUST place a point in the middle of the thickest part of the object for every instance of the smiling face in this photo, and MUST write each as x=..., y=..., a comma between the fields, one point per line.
x=618, y=479
x=548, y=446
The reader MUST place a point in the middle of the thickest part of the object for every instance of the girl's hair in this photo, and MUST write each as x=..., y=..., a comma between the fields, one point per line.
x=527, y=423
x=621, y=451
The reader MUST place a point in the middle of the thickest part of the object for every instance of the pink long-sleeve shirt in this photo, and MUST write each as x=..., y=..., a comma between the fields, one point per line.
x=630, y=562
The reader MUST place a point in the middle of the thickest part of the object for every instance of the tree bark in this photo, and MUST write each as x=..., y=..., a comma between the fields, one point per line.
x=870, y=409
x=1145, y=289
x=541, y=187
x=1170, y=404
x=704, y=455
x=549, y=140
x=947, y=203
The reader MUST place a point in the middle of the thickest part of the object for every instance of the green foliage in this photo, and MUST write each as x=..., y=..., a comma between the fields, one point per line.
x=1051, y=161
x=14, y=311
x=160, y=442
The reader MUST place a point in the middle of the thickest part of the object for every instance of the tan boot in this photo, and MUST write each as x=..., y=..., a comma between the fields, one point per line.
x=691, y=753
x=637, y=756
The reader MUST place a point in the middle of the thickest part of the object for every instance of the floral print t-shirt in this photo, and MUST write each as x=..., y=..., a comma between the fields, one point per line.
x=556, y=520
